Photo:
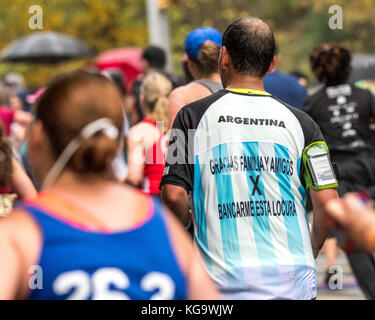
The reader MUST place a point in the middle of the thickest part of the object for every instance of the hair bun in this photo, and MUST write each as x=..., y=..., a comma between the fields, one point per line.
x=207, y=58
x=94, y=154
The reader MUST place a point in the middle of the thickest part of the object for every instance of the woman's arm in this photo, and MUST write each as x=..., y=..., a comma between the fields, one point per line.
x=356, y=218
x=20, y=243
x=21, y=183
x=200, y=285
x=10, y=267
x=136, y=155
x=322, y=223
x=22, y=117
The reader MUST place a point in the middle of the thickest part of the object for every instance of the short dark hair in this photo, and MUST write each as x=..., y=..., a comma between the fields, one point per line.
x=155, y=56
x=330, y=63
x=251, y=46
x=298, y=74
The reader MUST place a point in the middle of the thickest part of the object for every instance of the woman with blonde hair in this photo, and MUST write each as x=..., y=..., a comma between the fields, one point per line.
x=147, y=143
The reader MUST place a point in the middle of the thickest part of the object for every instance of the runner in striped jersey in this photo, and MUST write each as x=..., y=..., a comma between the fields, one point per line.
x=248, y=159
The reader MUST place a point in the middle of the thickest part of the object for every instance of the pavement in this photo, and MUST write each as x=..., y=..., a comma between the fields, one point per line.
x=346, y=289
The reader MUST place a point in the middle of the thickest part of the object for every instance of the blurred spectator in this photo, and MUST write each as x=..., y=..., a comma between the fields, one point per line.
x=120, y=162
x=117, y=76
x=285, y=87
x=153, y=60
x=13, y=180
x=15, y=120
x=15, y=81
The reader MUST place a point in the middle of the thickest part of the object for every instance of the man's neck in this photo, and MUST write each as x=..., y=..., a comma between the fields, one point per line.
x=246, y=82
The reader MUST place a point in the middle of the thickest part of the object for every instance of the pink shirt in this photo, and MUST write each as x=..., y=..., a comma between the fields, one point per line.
x=6, y=116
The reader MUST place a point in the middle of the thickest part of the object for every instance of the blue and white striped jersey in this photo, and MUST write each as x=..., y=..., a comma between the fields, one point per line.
x=239, y=155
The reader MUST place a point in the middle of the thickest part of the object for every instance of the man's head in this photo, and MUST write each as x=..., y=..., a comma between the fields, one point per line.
x=153, y=58
x=248, y=49
x=202, y=47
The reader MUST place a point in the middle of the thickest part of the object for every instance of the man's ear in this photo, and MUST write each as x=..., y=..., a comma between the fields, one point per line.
x=224, y=59
x=272, y=65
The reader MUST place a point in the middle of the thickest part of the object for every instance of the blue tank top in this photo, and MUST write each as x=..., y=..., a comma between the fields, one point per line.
x=137, y=264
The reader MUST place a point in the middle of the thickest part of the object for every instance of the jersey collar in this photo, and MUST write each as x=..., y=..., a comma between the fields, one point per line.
x=249, y=91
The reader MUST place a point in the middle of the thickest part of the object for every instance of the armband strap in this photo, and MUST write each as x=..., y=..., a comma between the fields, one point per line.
x=315, y=150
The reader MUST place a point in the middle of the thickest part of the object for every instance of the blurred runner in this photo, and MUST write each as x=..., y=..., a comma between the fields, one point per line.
x=147, y=143
x=153, y=60
x=119, y=164
x=302, y=78
x=342, y=110
x=248, y=159
x=84, y=249
x=358, y=219
x=285, y=87
x=343, y=113
x=202, y=47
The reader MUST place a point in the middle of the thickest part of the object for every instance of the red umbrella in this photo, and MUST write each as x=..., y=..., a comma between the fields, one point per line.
x=126, y=59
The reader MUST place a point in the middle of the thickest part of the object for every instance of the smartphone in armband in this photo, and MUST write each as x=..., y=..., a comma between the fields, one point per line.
x=320, y=167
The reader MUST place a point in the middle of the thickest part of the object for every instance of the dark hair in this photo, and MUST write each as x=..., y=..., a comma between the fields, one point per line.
x=251, y=46
x=117, y=76
x=298, y=74
x=207, y=60
x=155, y=56
x=70, y=102
x=6, y=155
x=330, y=63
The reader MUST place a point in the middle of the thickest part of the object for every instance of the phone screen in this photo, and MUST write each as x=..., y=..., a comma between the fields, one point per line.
x=321, y=170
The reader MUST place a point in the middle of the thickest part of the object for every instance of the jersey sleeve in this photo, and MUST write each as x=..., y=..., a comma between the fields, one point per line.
x=312, y=132
x=179, y=165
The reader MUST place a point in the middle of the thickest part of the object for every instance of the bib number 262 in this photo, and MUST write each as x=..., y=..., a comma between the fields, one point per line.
x=98, y=285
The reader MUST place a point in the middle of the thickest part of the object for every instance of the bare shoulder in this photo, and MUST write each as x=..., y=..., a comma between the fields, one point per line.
x=17, y=220
x=139, y=130
x=21, y=229
x=179, y=90
x=23, y=235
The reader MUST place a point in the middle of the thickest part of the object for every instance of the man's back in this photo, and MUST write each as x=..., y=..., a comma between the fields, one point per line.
x=344, y=114
x=242, y=154
x=248, y=198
